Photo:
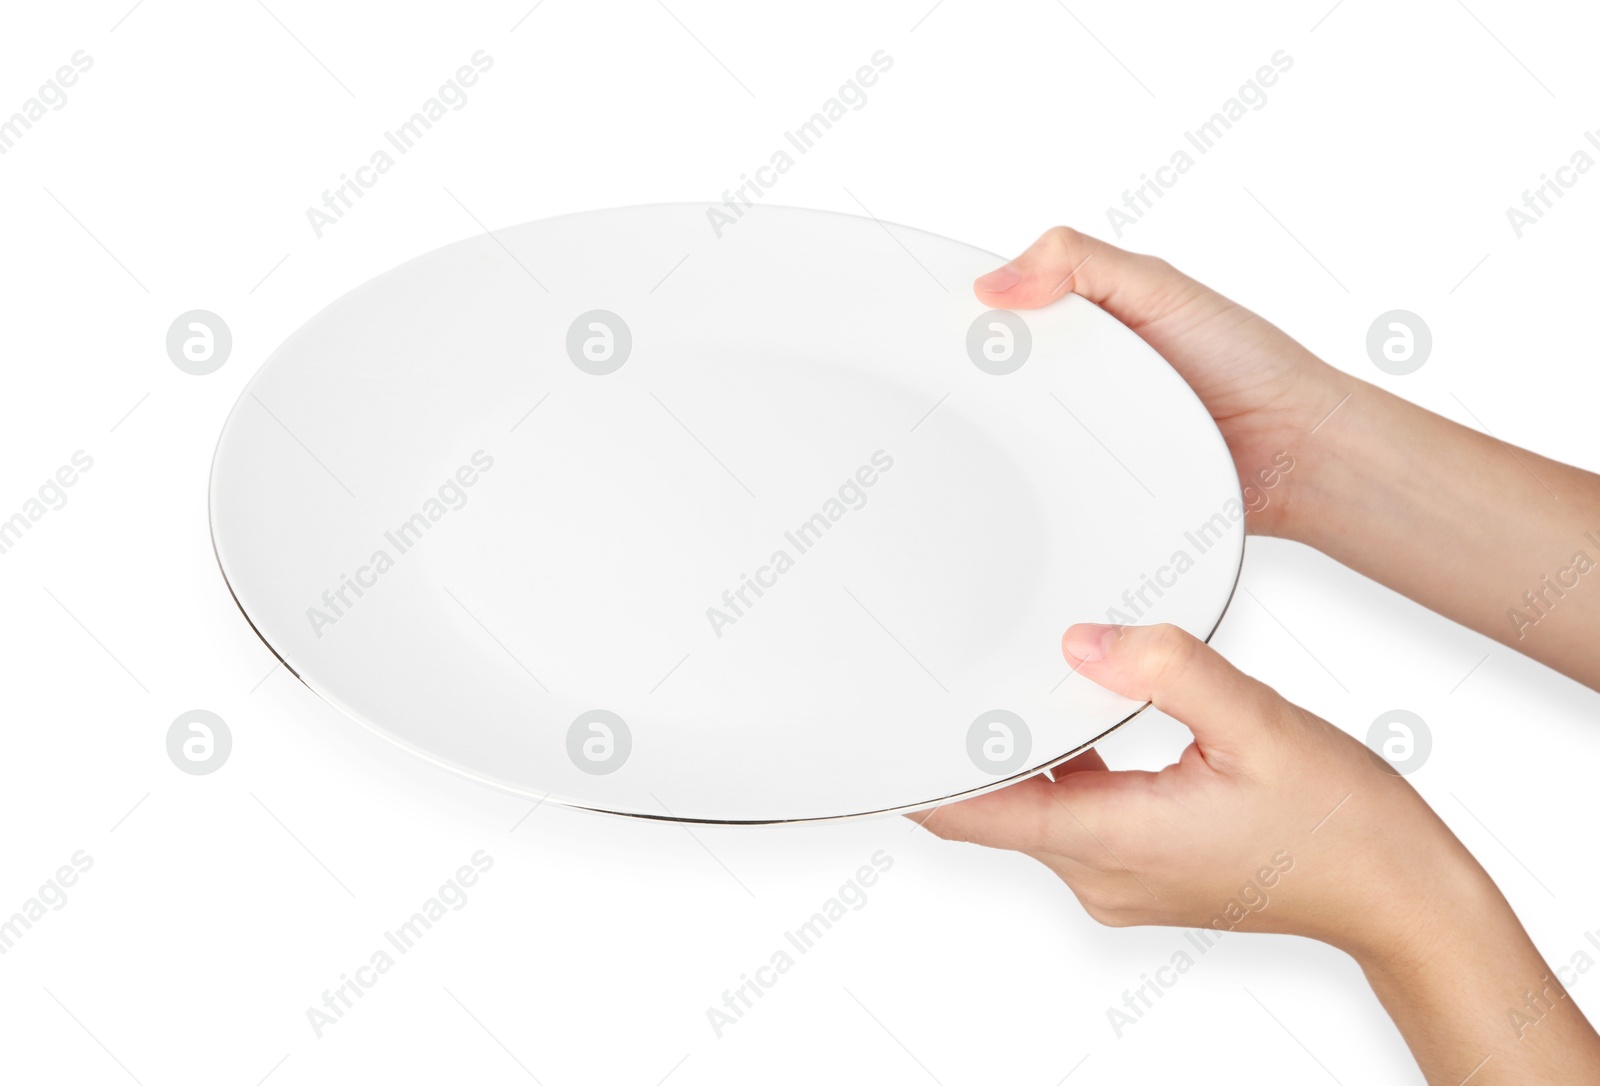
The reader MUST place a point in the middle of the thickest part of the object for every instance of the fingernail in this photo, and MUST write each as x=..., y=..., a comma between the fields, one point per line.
x=1000, y=280
x=1087, y=642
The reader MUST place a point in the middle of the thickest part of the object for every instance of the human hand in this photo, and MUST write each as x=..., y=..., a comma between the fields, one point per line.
x=1271, y=820
x=1274, y=820
x=1265, y=391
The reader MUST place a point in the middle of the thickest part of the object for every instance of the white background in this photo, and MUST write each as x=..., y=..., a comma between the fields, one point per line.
x=222, y=906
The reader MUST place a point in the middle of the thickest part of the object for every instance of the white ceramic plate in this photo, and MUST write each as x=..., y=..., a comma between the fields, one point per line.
x=749, y=521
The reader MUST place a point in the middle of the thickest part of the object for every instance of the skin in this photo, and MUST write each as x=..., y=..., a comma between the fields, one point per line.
x=1273, y=819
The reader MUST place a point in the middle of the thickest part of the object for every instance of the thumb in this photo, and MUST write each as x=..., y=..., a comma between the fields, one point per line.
x=1229, y=712
x=1134, y=288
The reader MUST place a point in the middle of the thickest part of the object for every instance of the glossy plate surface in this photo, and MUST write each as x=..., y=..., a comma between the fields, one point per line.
x=774, y=525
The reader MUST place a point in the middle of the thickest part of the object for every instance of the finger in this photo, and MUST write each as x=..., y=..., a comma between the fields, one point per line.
x=1134, y=288
x=1229, y=712
x=1089, y=760
x=1073, y=817
x=1096, y=810
x=1004, y=818
x=1016, y=817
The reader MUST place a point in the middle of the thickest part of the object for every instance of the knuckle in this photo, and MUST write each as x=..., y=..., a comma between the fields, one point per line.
x=1103, y=900
x=1093, y=897
x=1160, y=267
x=1063, y=238
x=1169, y=653
x=1107, y=915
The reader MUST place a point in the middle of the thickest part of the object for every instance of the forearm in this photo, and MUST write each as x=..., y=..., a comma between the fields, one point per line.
x=1502, y=540
x=1475, y=1000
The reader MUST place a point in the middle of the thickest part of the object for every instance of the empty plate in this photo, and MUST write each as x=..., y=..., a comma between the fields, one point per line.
x=674, y=513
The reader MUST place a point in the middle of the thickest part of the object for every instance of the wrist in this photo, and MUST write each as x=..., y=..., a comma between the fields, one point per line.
x=1313, y=433
x=1467, y=986
x=1408, y=939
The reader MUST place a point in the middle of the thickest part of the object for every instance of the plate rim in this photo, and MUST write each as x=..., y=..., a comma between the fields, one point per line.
x=549, y=797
